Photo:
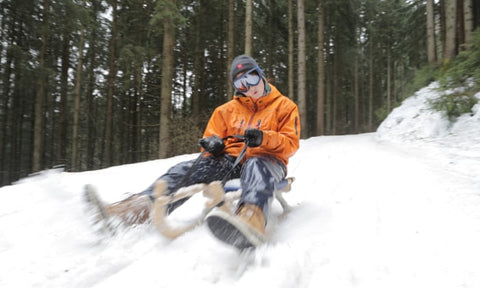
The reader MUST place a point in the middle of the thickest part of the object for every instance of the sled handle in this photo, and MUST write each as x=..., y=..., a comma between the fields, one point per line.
x=213, y=191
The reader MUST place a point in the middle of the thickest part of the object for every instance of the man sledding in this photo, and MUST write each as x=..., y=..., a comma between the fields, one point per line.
x=266, y=126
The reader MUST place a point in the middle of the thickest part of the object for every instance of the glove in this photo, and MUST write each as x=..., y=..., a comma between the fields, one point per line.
x=253, y=137
x=213, y=145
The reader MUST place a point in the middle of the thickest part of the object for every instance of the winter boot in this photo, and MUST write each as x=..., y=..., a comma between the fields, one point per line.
x=132, y=210
x=243, y=230
x=96, y=211
x=107, y=218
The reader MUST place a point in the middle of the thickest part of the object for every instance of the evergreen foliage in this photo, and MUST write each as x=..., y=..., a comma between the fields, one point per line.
x=54, y=52
x=423, y=76
x=455, y=104
x=462, y=71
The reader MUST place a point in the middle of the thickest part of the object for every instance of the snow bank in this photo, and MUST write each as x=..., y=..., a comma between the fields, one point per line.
x=416, y=120
x=416, y=125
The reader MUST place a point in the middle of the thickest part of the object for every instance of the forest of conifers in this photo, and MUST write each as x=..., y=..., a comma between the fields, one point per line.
x=87, y=84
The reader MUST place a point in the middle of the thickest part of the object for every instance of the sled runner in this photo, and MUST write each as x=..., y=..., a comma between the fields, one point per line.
x=222, y=198
x=218, y=211
x=97, y=211
x=219, y=197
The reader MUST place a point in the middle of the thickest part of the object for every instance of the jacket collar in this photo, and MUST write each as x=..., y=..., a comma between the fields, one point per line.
x=261, y=102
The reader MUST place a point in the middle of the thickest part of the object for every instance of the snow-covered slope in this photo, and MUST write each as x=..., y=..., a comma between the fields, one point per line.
x=395, y=208
x=456, y=145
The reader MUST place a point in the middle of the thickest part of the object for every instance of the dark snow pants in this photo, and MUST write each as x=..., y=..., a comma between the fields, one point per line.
x=259, y=177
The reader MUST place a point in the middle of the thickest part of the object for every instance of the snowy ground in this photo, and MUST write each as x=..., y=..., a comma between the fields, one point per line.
x=395, y=208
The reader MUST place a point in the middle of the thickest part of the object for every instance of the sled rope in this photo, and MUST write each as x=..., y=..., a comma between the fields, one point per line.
x=214, y=192
x=237, y=161
x=187, y=175
x=183, y=183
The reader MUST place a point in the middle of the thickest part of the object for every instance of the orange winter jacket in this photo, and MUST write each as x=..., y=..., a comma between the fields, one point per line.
x=274, y=114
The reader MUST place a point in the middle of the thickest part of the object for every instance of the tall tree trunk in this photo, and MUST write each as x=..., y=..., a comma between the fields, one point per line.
x=2, y=38
x=6, y=115
x=329, y=96
x=270, y=37
x=125, y=137
x=248, y=27
x=450, y=29
x=198, y=66
x=220, y=65
x=137, y=136
x=356, y=96
x=18, y=110
x=431, y=51
x=442, y=29
x=91, y=109
x=460, y=26
x=186, y=95
x=389, y=78
x=291, y=51
x=108, y=133
x=468, y=19
x=302, y=68
x=370, y=87
x=230, y=45
x=40, y=96
x=166, y=86
x=321, y=71
x=76, y=106
x=122, y=153
x=63, y=106
x=336, y=89
x=3, y=109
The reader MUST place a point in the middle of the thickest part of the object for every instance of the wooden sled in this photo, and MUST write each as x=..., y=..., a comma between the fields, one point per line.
x=223, y=197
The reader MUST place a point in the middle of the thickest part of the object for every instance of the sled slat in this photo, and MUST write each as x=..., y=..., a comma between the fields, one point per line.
x=217, y=196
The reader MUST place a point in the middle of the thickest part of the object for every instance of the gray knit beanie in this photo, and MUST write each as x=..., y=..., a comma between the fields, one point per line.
x=242, y=63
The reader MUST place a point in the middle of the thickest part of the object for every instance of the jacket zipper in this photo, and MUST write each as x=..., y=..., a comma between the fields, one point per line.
x=240, y=126
x=255, y=109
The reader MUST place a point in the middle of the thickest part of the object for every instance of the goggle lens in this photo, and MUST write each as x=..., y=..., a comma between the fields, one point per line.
x=247, y=80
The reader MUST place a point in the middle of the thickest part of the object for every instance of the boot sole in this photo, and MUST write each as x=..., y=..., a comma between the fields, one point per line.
x=227, y=228
x=99, y=214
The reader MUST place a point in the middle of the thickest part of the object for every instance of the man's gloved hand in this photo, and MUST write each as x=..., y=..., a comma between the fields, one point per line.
x=213, y=145
x=253, y=137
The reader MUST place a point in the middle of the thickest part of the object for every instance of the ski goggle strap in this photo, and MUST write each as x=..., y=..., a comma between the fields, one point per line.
x=248, y=79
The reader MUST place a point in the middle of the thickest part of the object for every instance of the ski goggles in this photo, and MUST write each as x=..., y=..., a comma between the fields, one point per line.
x=248, y=79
